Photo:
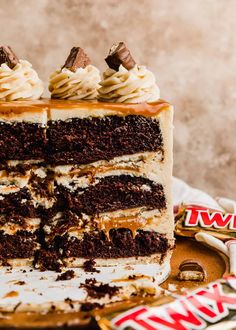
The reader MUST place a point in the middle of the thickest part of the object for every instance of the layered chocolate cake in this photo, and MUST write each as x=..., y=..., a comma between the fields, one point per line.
x=84, y=178
x=22, y=143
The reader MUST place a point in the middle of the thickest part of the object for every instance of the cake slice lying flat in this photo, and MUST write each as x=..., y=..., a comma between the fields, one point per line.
x=112, y=166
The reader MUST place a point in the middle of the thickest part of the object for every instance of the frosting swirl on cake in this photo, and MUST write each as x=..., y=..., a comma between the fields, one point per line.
x=129, y=86
x=20, y=82
x=81, y=84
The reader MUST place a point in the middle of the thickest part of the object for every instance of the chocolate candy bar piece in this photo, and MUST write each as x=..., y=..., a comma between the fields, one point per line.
x=191, y=270
x=120, y=55
x=8, y=56
x=76, y=59
x=193, y=219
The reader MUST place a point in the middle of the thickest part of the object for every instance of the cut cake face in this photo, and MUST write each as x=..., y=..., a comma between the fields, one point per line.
x=95, y=178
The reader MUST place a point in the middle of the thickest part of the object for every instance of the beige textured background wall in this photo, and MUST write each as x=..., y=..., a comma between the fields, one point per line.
x=189, y=44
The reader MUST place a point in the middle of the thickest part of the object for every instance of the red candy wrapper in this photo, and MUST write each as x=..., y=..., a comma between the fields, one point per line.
x=201, y=308
x=192, y=219
x=196, y=310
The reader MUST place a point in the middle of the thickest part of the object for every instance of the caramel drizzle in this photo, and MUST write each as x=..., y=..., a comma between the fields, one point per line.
x=32, y=319
x=145, y=109
x=92, y=171
x=11, y=294
x=131, y=222
x=130, y=279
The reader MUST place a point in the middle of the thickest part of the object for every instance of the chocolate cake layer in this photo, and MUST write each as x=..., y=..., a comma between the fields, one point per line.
x=113, y=193
x=119, y=244
x=22, y=140
x=18, y=203
x=21, y=245
x=30, y=201
x=88, y=140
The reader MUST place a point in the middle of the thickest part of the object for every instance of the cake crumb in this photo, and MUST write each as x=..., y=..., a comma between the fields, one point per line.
x=95, y=290
x=87, y=307
x=172, y=287
x=48, y=260
x=66, y=276
x=89, y=266
x=20, y=283
x=132, y=277
x=69, y=302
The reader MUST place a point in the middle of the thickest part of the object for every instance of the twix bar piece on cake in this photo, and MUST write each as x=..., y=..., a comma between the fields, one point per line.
x=191, y=219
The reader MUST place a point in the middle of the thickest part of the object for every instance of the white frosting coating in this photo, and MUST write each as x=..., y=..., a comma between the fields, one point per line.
x=226, y=325
x=78, y=85
x=41, y=290
x=68, y=113
x=129, y=86
x=21, y=82
x=212, y=242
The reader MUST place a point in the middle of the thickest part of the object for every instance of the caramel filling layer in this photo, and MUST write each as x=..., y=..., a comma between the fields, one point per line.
x=131, y=222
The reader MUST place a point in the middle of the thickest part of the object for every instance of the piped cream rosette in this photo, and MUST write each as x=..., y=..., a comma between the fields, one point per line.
x=20, y=82
x=78, y=85
x=129, y=86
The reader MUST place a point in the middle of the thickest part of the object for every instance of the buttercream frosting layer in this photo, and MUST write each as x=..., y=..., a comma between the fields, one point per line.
x=21, y=82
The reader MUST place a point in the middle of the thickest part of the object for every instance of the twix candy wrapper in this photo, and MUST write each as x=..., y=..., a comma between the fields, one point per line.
x=200, y=309
x=191, y=219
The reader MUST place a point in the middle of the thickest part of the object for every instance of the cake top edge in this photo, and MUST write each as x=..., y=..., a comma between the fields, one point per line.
x=65, y=106
x=70, y=104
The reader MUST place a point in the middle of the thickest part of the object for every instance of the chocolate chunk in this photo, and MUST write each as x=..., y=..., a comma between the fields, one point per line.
x=191, y=270
x=76, y=59
x=120, y=55
x=8, y=56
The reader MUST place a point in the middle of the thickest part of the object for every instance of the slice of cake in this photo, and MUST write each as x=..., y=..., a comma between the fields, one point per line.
x=22, y=144
x=112, y=165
